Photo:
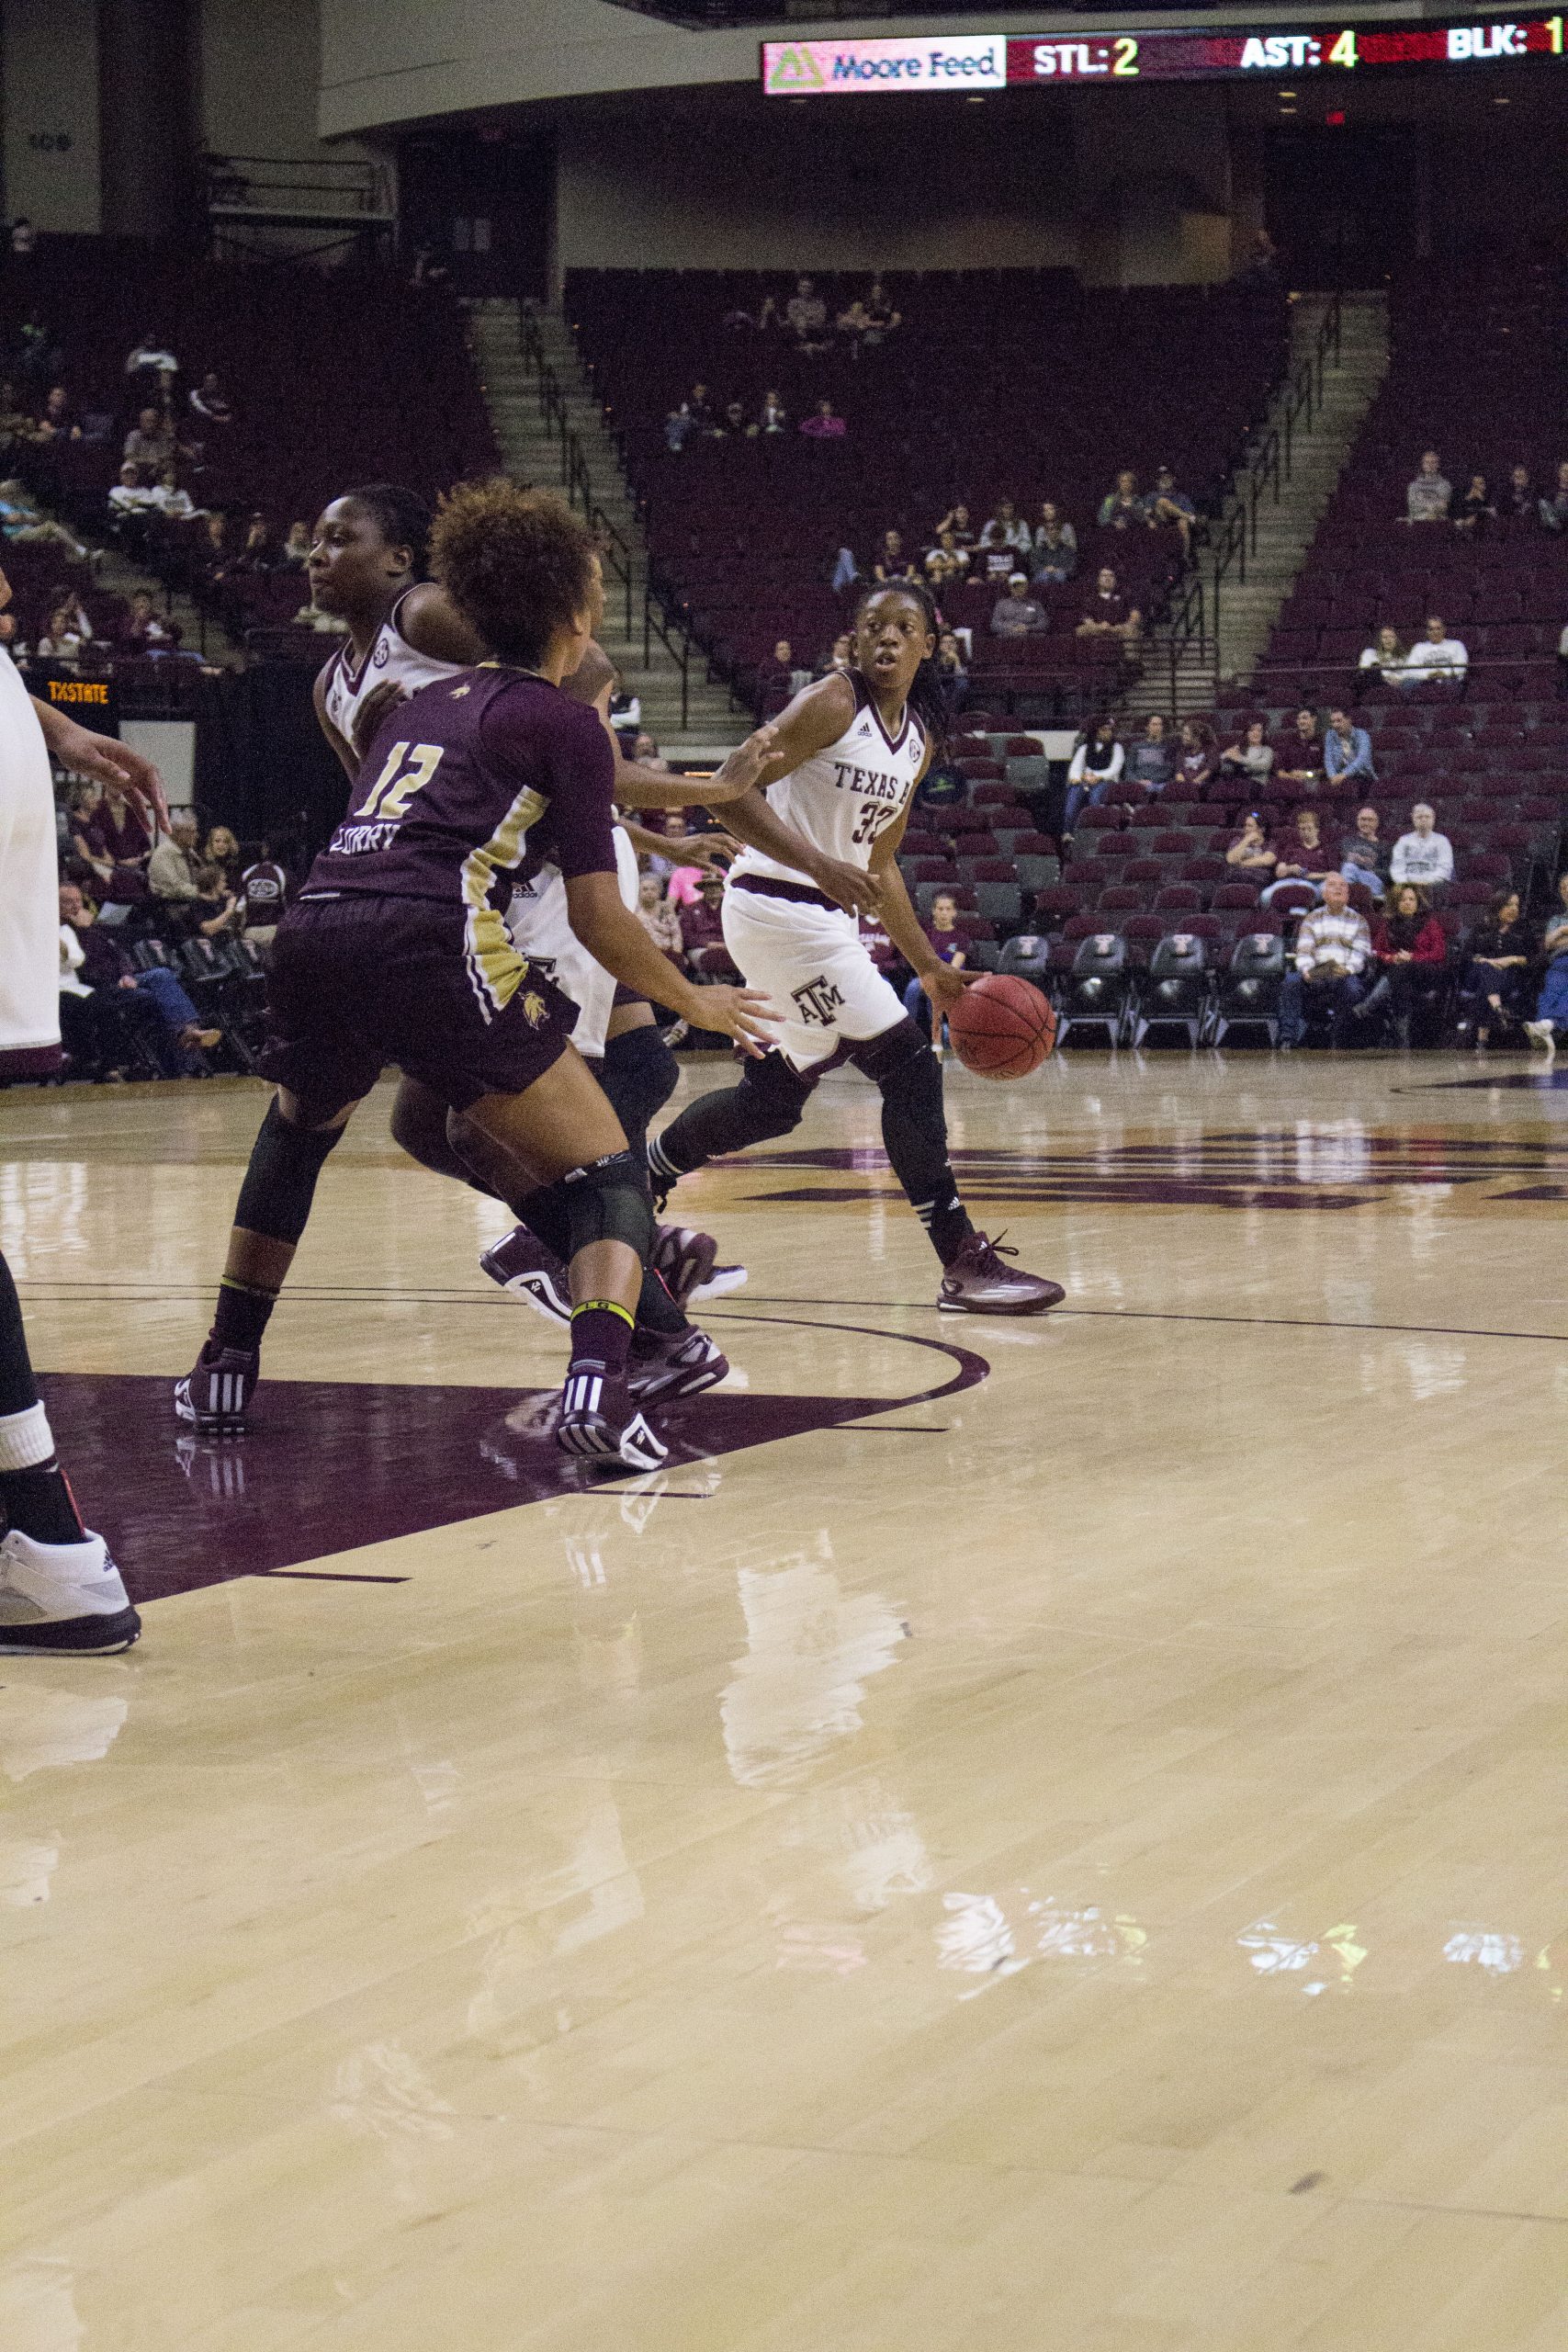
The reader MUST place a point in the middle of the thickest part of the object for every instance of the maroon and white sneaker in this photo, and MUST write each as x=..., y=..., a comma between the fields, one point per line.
x=600, y=1421
x=666, y=1364
x=687, y=1261
x=216, y=1394
x=523, y=1265
x=976, y=1283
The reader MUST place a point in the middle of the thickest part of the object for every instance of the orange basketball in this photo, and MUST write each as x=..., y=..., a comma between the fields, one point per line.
x=1002, y=1026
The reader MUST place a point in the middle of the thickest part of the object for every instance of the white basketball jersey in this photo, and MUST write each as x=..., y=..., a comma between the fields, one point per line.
x=540, y=924
x=847, y=795
x=349, y=682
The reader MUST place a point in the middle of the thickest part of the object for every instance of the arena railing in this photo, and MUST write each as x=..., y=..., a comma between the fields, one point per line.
x=576, y=479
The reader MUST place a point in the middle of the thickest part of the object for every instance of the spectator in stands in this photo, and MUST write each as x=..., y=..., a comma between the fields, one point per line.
x=213, y=543
x=1017, y=614
x=699, y=408
x=1493, y=988
x=221, y=852
x=892, y=563
x=153, y=365
x=172, y=869
x=1428, y=497
x=956, y=520
x=264, y=895
x=1348, y=753
x=1298, y=755
x=258, y=557
x=950, y=944
x=851, y=323
x=1551, y=1004
x=679, y=428
x=1250, y=756
x=1007, y=529
x=1388, y=657
x=732, y=425
x=57, y=418
x=296, y=550
x=822, y=424
x=23, y=238
x=146, y=631
x=1171, y=509
x=23, y=523
x=209, y=403
x=779, y=676
x=1477, y=511
x=1300, y=854
x=702, y=933
x=839, y=656
x=1108, y=612
x=646, y=755
x=951, y=670
x=1056, y=551
x=1437, y=657
x=1411, y=951
x=805, y=313
x=1333, y=948
x=152, y=1004
x=772, y=416
x=15, y=423
x=1199, y=758
x=1364, y=854
x=1122, y=509
x=176, y=505
x=952, y=558
x=1251, y=852
x=149, y=443
x=1553, y=509
x=68, y=632
x=881, y=319
x=131, y=495
x=1423, y=855
x=1153, y=763
x=1097, y=763
x=660, y=920
x=108, y=837
x=1519, y=499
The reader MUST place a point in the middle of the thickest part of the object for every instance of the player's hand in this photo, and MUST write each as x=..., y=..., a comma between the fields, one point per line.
x=108, y=761
x=741, y=1013
x=943, y=985
x=711, y=852
x=743, y=766
x=854, y=888
x=373, y=710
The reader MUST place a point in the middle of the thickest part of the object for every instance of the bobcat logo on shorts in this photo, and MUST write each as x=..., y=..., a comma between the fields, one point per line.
x=533, y=1008
x=818, y=1001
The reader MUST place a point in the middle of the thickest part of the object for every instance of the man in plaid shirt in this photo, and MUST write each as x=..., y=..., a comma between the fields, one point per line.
x=1334, y=948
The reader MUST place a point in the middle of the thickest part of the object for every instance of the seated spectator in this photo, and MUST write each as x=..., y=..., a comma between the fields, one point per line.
x=1551, y=1004
x=892, y=563
x=806, y=314
x=111, y=1002
x=1411, y=951
x=152, y=356
x=1017, y=614
x=822, y=424
x=1300, y=854
x=679, y=428
x=956, y=520
x=951, y=670
x=216, y=907
x=210, y=403
x=1494, y=989
x=1423, y=855
x=846, y=570
x=149, y=443
x=1519, y=501
x=1199, y=758
x=626, y=714
x=1171, y=509
x=264, y=895
x=257, y=558
x=1152, y=763
x=1096, y=765
x=146, y=632
x=1388, y=657
x=1251, y=852
x=297, y=548
x=1348, y=753
x=660, y=920
x=213, y=543
x=881, y=319
x=937, y=574
x=772, y=416
x=1298, y=754
x=1249, y=757
x=1364, y=854
x=57, y=418
x=1437, y=657
x=646, y=755
x=838, y=657
x=954, y=559
x=1477, y=512
x=222, y=851
x=1428, y=497
x=1056, y=550
x=25, y=524
x=1108, y=612
x=780, y=674
x=108, y=836
x=172, y=869
x=131, y=495
x=176, y=505
x=702, y=933
x=68, y=632
x=732, y=426
x=1553, y=509
x=1122, y=509
x=952, y=945
x=700, y=409
x=1007, y=529
x=1333, y=949
x=851, y=323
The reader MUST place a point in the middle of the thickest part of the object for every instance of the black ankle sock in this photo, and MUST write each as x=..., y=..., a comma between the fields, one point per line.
x=38, y=1502
x=949, y=1226
x=243, y=1313
x=601, y=1337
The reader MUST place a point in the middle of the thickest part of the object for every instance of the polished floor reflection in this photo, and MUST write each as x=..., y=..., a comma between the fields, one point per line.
x=1045, y=1835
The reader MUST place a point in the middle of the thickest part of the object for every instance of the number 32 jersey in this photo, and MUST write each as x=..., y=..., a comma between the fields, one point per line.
x=845, y=798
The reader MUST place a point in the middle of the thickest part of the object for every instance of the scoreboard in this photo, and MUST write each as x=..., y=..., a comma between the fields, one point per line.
x=992, y=60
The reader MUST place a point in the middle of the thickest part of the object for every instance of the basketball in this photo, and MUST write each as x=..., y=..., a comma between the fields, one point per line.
x=1002, y=1026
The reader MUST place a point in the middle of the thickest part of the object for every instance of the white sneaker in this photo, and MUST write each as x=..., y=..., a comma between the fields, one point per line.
x=62, y=1598
x=1542, y=1034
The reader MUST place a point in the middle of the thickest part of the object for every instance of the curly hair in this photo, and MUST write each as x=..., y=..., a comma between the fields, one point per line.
x=401, y=516
x=518, y=564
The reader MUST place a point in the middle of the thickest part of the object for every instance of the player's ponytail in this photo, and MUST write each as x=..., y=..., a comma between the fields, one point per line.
x=928, y=699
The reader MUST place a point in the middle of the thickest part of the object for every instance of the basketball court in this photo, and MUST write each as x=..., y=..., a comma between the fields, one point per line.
x=1042, y=1833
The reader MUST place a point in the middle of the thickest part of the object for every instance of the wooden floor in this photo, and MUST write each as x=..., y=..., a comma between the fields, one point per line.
x=1070, y=1860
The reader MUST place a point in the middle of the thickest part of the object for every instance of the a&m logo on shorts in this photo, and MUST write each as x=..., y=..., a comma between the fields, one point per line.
x=818, y=1001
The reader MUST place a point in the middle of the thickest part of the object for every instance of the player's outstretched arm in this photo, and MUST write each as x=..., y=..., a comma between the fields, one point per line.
x=643, y=787
x=818, y=717
x=103, y=758
x=941, y=983
x=614, y=938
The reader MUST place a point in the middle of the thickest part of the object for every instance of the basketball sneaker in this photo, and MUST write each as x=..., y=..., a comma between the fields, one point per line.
x=217, y=1392
x=62, y=1598
x=600, y=1421
x=666, y=1364
x=977, y=1282
x=687, y=1261
x=523, y=1265
x=1544, y=1035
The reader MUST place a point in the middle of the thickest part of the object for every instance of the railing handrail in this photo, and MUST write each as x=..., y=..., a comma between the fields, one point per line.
x=577, y=482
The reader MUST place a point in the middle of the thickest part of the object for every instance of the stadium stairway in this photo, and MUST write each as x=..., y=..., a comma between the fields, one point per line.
x=531, y=451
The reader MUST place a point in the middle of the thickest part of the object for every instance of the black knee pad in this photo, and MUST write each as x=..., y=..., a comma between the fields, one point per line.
x=640, y=1074
x=607, y=1201
x=771, y=1098
x=280, y=1182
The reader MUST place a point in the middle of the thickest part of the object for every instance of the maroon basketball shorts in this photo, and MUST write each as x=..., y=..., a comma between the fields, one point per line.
x=357, y=982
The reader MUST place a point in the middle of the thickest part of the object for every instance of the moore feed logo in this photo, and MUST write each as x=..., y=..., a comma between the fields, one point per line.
x=794, y=69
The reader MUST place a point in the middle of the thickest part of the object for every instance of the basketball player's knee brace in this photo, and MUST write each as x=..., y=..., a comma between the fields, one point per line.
x=771, y=1098
x=607, y=1201
x=640, y=1075
x=280, y=1182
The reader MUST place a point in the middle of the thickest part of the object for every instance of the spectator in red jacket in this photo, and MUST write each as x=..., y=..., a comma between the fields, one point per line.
x=1411, y=951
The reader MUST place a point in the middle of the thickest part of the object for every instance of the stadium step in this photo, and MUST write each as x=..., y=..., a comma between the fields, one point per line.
x=532, y=451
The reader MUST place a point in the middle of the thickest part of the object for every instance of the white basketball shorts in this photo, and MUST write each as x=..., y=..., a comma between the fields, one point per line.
x=811, y=963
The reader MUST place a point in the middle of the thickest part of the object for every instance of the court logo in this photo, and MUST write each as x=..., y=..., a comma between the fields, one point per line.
x=818, y=1001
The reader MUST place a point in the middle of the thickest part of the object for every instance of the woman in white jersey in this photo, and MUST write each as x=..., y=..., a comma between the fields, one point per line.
x=850, y=751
